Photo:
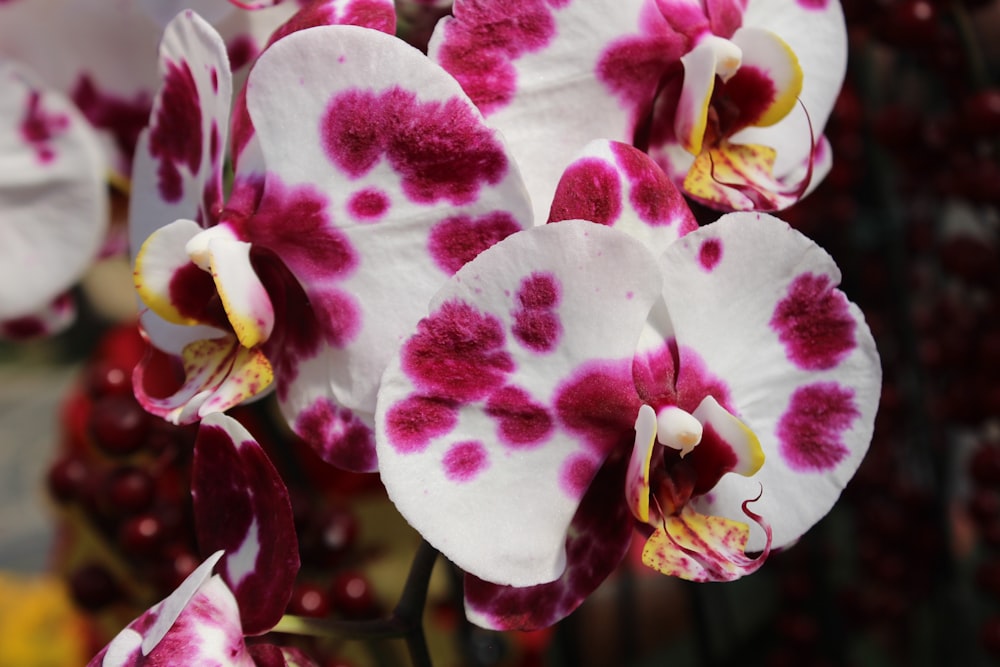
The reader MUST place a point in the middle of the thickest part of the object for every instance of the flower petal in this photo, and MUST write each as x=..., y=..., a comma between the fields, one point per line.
x=637, y=474
x=243, y=296
x=526, y=63
x=617, y=185
x=51, y=319
x=179, y=160
x=53, y=199
x=168, y=282
x=699, y=547
x=597, y=540
x=768, y=63
x=218, y=374
x=96, y=54
x=196, y=624
x=739, y=177
x=500, y=409
x=241, y=506
x=729, y=432
x=817, y=35
x=795, y=358
x=382, y=214
x=711, y=57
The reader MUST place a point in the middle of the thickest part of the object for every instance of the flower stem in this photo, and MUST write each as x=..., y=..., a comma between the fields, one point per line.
x=405, y=621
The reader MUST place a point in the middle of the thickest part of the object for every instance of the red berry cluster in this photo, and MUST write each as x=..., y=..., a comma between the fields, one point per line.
x=121, y=480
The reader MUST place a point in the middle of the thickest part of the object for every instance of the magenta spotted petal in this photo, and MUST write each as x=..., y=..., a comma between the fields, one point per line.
x=591, y=67
x=197, y=624
x=599, y=537
x=548, y=361
x=241, y=506
x=53, y=203
x=618, y=185
x=382, y=180
x=805, y=376
x=514, y=391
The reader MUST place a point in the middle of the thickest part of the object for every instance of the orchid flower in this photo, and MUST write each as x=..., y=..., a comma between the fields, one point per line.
x=729, y=96
x=242, y=511
x=53, y=205
x=76, y=89
x=711, y=387
x=363, y=178
x=102, y=56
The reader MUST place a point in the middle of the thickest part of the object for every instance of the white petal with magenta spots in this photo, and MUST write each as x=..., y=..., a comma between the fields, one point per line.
x=757, y=301
x=345, y=117
x=53, y=199
x=504, y=403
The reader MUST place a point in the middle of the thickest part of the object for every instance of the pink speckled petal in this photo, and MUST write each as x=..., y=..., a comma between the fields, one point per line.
x=700, y=547
x=241, y=506
x=504, y=403
x=741, y=177
x=197, y=624
x=618, y=185
x=218, y=374
x=554, y=76
x=799, y=361
x=53, y=200
x=179, y=160
x=394, y=179
x=598, y=539
x=818, y=37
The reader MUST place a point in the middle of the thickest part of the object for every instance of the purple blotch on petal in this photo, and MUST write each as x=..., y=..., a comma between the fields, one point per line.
x=521, y=421
x=440, y=149
x=458, y=353
x=337, y=436
x=414, y=421
x=811, y=430
x=459, y=239
x=464, y=461
x=814, y=323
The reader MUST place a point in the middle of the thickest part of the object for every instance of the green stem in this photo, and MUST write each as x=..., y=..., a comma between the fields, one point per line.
x=405, y=621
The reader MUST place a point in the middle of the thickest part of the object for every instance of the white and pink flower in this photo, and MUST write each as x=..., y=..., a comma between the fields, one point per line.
x=363, y=179
x=729, y=96
x=576, y=381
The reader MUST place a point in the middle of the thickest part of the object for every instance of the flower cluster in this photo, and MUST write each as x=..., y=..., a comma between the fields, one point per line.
x=475, y=272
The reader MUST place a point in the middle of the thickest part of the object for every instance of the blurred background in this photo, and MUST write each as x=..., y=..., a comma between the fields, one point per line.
x=95, y=520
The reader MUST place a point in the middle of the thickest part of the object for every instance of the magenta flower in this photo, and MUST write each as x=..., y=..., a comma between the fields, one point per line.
x=575, y=382
x=363, y=178
x=729, y=96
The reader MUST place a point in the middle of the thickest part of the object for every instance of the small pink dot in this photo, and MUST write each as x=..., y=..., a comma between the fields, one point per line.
x=710, y=253
x=464, y=461
x=368, y=204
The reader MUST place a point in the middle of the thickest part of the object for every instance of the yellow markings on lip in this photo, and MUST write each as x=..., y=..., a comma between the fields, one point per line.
x=699, y=547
